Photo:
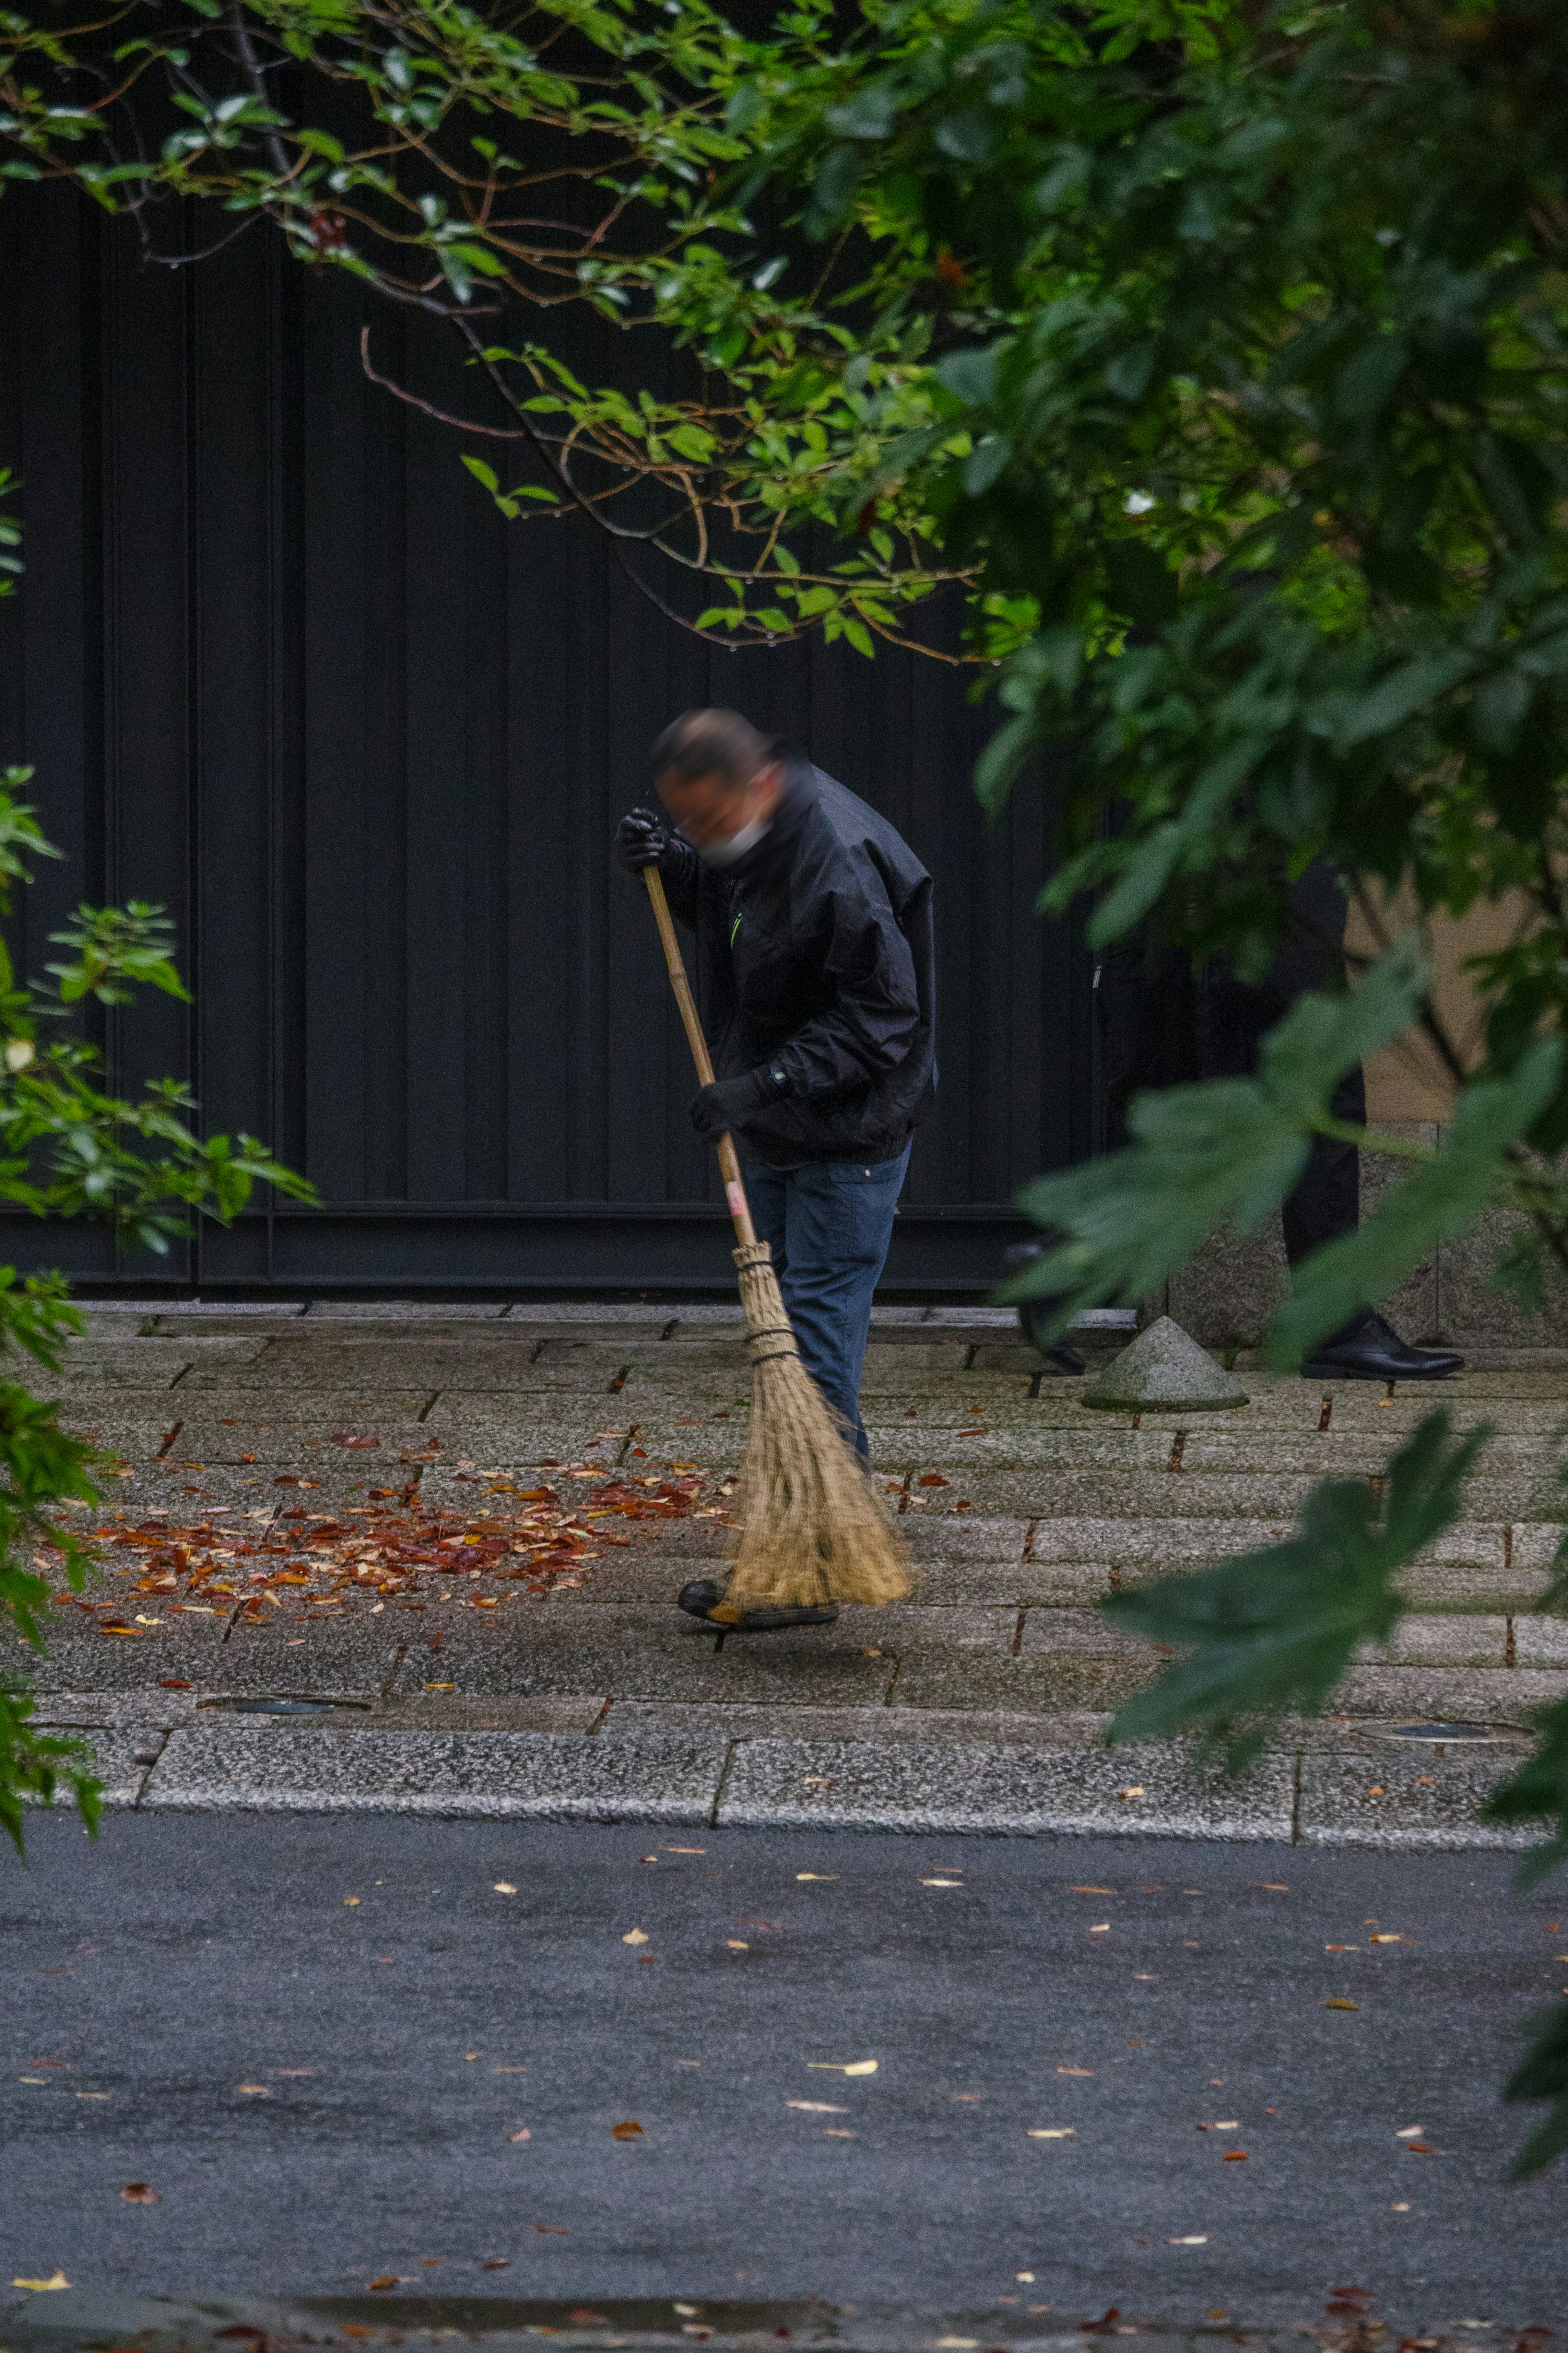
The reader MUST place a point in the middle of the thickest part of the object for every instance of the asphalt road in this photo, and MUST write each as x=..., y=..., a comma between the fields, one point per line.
x=336, y=2053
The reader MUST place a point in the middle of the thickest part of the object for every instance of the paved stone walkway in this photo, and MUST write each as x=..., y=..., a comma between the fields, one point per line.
x=360, y=1446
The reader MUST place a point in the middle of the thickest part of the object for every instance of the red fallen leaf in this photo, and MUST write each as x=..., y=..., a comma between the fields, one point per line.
x=1420, y=2148
x=496, y=2263
x=931, y=1479
x=172, y=1683
x=551, y=2229
x=628, y=2130
x=1235, y=2157
x=140, y=2193
x=387, y=2279
x=341, y=1438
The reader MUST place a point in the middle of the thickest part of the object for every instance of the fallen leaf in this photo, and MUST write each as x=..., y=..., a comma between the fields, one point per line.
x=1234, y=2156
x=931, y=1479
x=942, y=1883
x=551, y=2229
x=1100, y=1929
x=1342, y=2005
x=1419, y=2148
x=1091, y=1891
x=496, y=2263
x=1376, y=1939
x=350, y=1901
x=379, y=2286
x=1053, y=2132
x=817, y=2108
x=1410, y=2132
x=525, y=2134
x=837, y=2067
x=634, y=1937
x=503, y=1887
x=340, y=1437
x=628, y=2130
x=735, y=1945
x=1134, y=1790
x=836, y=2132
x=256, y=2091
x=140, y=2193
x=90, y=2096
x=816, y=1875
x=40, y=2286
x=1075, y=2071
x=1188, y=2242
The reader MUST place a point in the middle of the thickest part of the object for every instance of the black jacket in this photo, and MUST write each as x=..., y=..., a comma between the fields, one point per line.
x=815, y=956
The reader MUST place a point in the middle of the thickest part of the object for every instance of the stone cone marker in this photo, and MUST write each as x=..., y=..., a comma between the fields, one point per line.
x=1163, y=1368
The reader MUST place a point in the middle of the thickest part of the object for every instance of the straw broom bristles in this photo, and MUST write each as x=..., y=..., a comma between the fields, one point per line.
x=815, y=1528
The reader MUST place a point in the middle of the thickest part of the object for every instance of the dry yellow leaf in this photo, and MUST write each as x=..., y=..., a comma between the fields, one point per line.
x=503, y=1887
x=837, y=2067
x=1053, y=2132
x=634, y=1937
x=40, y=2286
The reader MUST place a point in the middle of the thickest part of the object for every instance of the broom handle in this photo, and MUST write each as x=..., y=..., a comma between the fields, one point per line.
x=729, y=1166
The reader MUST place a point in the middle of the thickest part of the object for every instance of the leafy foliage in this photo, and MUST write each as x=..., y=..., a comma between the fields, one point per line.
x=67, y=1149
x=1273, y=1630
x=493, y=170
x=1231, y=1150
x=1543, y=2074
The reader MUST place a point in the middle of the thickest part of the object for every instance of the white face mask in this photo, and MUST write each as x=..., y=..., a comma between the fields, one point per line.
x=733, y=846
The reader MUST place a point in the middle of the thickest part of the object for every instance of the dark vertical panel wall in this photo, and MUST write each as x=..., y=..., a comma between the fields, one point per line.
x=282, y=668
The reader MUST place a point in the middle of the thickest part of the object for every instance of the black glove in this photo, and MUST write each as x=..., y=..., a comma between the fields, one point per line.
x=641, y=840
x=729, y=1103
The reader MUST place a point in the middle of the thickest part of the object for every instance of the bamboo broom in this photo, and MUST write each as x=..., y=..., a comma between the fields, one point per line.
x=814, y=1528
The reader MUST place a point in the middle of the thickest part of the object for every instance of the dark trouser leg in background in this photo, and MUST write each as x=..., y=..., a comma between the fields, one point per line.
x=1327, y=1202
x=828, y=1225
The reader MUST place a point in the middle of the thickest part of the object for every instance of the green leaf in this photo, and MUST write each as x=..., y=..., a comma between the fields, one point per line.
x=1225, y=1152
x=1272, y=1632
x=482, y=473
x=1538, y=1792
x=1543, y=2074
x=1439, y=1202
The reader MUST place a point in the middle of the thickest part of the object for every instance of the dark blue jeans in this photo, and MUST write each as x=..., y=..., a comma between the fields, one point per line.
x=828, y=1225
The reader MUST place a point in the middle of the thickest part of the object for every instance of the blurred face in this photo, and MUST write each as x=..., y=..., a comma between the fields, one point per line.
x=709, y=811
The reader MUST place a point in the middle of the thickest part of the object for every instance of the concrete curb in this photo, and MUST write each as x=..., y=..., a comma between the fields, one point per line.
x=75, y=2319
x=1384, y=1797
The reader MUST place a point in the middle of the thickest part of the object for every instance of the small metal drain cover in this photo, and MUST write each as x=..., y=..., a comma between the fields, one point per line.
x=1446, y=1732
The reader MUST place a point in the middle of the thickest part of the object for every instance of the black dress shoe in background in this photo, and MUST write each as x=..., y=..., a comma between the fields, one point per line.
x=1368, y=1349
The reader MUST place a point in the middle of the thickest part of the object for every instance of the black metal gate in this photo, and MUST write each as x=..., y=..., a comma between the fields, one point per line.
x=281, y=664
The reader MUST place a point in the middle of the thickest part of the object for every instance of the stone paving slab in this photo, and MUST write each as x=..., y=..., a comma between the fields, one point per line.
x=270, y=1767
x=645, y=1653
x=864, y=1785
x=1381, y=1800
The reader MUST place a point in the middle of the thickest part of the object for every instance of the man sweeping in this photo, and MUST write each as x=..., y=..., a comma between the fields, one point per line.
x=815, y=972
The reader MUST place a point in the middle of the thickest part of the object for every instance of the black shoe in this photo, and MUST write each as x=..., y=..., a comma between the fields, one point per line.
x=704, y=1597
x=1371, y=1350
